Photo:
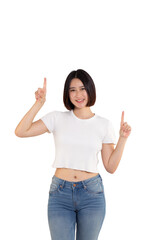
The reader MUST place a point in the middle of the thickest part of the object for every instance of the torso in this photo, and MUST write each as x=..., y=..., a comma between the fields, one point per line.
x=73, y=175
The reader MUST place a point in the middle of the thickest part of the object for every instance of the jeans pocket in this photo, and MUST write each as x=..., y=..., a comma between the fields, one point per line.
x=53, y=187
x=95, y=187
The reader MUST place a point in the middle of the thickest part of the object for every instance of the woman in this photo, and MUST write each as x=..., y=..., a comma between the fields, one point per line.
x=76, y=194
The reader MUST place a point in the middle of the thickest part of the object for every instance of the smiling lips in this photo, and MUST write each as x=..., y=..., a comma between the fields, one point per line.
x=79, y=101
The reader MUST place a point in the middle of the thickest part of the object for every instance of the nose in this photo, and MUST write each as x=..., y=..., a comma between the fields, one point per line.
x=78, y=94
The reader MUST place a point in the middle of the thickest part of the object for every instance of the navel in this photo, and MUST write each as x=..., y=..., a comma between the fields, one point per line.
x=75, y=176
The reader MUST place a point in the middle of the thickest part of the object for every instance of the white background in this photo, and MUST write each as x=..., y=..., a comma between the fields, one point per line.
x=118, y=44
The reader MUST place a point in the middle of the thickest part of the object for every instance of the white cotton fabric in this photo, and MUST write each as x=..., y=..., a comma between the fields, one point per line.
x=78, y=141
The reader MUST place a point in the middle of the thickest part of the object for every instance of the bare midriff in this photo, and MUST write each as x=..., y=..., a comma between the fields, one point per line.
x=73, y=175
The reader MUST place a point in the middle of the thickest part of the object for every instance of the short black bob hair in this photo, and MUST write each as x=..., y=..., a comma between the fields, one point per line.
x=88, y=83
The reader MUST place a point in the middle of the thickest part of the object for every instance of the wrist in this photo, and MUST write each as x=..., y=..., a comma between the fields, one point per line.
x=39, y=103
x=124, y=139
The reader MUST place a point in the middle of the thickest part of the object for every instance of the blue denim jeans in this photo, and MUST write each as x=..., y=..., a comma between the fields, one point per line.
x=76, y=208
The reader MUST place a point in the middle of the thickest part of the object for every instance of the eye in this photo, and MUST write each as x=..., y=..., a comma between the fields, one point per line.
x=74, y=90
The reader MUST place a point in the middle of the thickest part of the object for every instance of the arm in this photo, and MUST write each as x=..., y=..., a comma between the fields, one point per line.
x=116, y=155
x=26, y=128
x=110, y=156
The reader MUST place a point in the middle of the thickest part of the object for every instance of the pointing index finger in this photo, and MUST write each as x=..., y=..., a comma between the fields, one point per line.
x=122, y=118
x=44, y=84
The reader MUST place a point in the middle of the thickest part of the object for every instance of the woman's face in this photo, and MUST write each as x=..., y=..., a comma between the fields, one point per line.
x=77, y=91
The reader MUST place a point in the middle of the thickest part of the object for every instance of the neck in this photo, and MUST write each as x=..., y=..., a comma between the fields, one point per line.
x=83, y=112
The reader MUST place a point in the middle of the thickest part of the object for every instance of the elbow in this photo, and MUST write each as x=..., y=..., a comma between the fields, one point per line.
x=15, y=132
x=18, y=134
x=110, y=170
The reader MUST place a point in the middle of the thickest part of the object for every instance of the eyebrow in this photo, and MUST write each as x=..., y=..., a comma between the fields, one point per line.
x=74, y=87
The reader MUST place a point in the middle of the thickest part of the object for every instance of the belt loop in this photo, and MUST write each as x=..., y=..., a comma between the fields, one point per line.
x=83, y=184
x=100, y=177
x=63, y=183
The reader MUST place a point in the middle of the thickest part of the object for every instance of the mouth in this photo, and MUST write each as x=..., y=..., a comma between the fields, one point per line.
x=80, y=101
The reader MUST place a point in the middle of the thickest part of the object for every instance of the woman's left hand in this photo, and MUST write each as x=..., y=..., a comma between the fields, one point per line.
x=125, y=129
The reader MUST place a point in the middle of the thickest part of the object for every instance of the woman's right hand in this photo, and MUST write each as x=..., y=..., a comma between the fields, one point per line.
x=40, y=94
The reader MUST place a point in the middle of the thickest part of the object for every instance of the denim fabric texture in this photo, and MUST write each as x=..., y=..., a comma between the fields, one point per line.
x=76, y=210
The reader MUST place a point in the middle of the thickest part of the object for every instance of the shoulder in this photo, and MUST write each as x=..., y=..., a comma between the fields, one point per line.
x=59, y=114
x=103, y=120
x=105, y=123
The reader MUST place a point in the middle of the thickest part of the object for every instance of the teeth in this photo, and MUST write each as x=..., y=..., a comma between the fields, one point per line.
x=79, y=100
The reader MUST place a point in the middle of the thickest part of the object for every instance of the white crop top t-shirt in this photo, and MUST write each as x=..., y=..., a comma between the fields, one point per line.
x=78, y=141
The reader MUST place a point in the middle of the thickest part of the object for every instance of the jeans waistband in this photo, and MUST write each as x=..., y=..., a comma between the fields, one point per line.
x=77, y=184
